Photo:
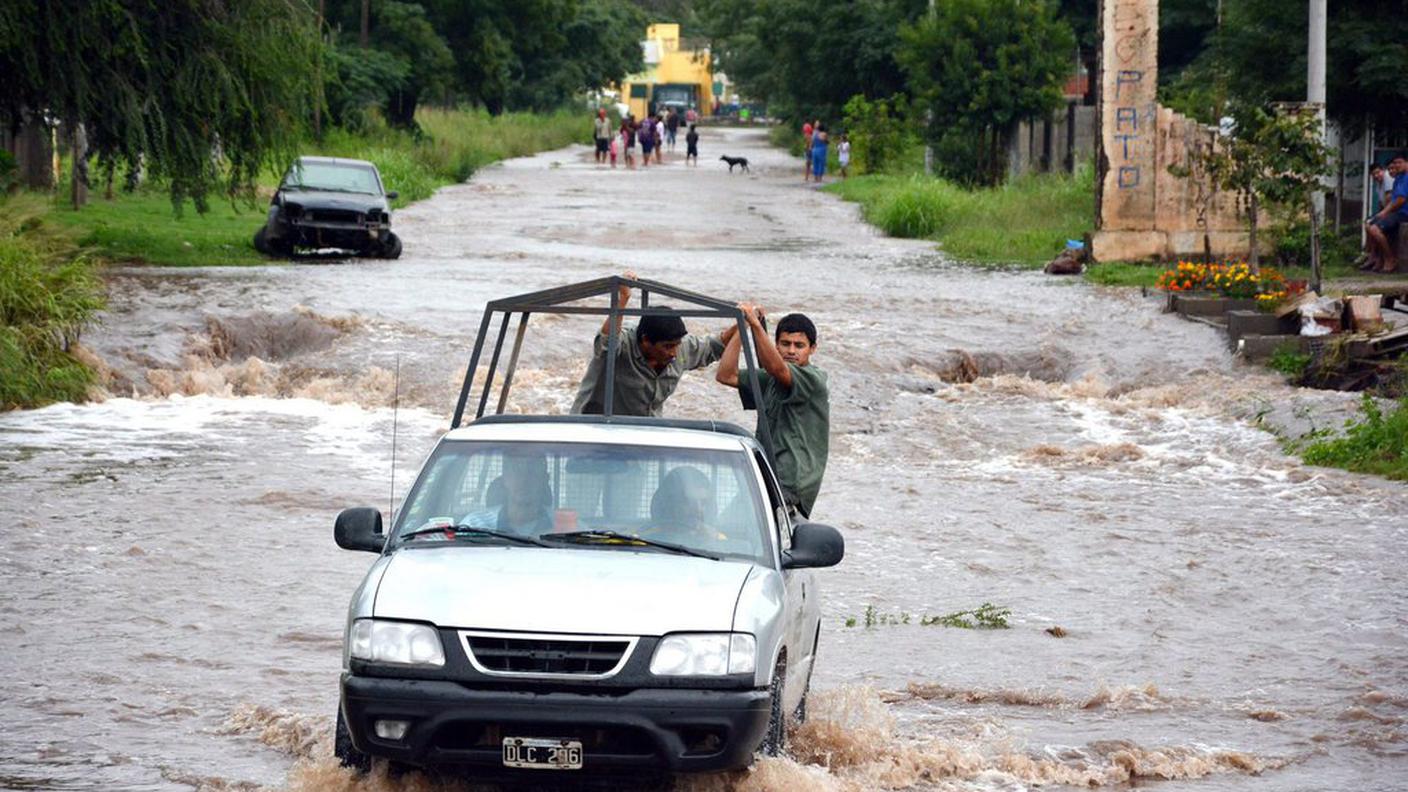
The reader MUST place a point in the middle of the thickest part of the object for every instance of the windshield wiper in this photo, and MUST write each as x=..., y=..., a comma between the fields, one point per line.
x=589, y=536
x=466, y=530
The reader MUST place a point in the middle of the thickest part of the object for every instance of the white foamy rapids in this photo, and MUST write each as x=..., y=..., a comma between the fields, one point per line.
x=1117, y=697
x=128, y=430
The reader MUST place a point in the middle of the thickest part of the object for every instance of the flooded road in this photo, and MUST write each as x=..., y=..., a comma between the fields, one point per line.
x=1228, y=619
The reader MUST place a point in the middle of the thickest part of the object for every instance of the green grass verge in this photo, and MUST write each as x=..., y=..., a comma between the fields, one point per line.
x=1124, y=273
x=48, y=293
x=1377, y=443
x=142, y=227
x=1026, y=221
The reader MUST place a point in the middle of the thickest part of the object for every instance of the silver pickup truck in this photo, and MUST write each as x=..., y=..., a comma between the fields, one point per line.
x=580, y=595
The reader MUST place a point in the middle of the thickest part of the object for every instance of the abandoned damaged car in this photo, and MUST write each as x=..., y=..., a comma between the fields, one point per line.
x=582, y=596
x=330, y=202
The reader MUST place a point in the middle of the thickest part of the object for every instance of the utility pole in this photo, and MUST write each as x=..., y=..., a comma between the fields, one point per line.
x=1315, y=97
x=928, y=127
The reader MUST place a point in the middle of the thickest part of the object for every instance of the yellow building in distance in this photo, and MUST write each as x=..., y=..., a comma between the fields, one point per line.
x=673, y=77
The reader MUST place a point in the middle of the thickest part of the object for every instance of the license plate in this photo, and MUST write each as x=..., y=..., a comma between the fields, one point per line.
x=538, y=754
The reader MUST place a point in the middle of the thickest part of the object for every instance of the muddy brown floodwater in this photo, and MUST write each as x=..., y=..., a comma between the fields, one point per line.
x=173, y=600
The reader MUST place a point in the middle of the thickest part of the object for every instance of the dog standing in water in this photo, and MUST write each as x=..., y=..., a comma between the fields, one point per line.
x=739, y=161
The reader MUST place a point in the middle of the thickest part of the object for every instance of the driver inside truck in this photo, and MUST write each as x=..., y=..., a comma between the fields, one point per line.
x=520, y=501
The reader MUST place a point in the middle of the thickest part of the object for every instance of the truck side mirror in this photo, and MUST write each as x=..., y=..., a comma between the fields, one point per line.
x=393, y=195
x=814, y=545
x=359, y=529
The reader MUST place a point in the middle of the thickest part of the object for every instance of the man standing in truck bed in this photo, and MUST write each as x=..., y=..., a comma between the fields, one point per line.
x=796, y=402
x=650, y=359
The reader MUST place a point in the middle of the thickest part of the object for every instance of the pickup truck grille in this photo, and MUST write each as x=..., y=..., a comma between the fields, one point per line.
x=580, y=657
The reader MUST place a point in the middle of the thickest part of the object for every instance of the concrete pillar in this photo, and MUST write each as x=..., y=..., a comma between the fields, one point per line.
x=1128, y=76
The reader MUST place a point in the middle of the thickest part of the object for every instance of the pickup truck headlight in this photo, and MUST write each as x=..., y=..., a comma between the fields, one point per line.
x=705, y=654
x=396, y=642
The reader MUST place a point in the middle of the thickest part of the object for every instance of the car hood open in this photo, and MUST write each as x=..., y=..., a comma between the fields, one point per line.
x=609, y=592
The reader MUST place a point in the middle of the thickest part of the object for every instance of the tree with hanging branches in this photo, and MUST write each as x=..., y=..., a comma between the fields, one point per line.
x=201, y=94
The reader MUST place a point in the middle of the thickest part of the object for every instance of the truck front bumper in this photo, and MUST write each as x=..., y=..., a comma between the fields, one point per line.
x=639, y=731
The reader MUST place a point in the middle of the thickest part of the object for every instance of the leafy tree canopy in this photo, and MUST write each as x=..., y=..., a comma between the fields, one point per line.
x=806, y=59
x=168, y=83
x=1258, y=56
x=980, y=66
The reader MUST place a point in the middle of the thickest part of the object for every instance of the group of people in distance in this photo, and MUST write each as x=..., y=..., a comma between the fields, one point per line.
x=653, y=355
x=816, y=143
x=652, y=133
x=1388, y=190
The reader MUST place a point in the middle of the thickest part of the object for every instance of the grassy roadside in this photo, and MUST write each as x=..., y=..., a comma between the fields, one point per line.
x=48, y=293
x=1377, y=443
x=141, y=227
x=1025, y=221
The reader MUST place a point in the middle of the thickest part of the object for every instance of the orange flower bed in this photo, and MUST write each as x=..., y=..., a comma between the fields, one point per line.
x=1232, y=279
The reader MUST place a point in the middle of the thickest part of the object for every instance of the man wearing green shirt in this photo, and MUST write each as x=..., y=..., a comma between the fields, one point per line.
x=796, y=402
x=650, y=359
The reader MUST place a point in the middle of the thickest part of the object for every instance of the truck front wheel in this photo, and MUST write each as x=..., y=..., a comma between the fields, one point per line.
x=346, y=753
x=391, y=248
x=775, y=739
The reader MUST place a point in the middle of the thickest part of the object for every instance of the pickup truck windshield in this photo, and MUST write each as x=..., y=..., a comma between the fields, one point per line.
x=706, y=501
x=334, y=177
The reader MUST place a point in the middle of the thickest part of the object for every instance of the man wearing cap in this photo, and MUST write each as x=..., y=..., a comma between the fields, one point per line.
x=650, y=359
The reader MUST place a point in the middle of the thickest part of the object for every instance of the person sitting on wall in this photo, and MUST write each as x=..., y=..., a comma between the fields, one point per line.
x=1383, y=227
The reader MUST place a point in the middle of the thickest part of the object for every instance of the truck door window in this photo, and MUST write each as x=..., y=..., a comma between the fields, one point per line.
x=775, y=503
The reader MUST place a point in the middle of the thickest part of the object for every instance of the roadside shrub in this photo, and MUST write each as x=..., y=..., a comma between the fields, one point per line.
x=1337, y=250
x=47, y=296
x=450, y=145
x=1377, y=443
x=879, y=132
x=1289, y=360
x=1027, y=220
x=9, y=172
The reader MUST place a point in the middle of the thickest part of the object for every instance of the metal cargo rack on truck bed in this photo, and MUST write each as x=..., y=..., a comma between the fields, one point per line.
x=561, y=300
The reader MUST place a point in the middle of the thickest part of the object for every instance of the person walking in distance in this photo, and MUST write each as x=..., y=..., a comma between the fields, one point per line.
x=628, y=142
x=796, y=401
x=672, y=127
x=806, y=151
x=843, y=154
x=691, y=146
x=659, y=138
x=601, y=130
x=819, y=147
x=646, y=133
